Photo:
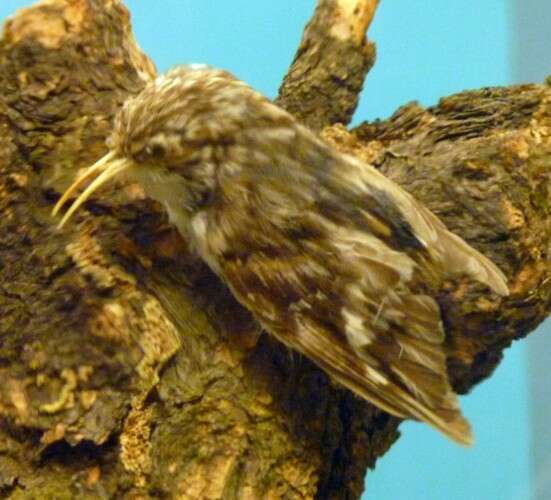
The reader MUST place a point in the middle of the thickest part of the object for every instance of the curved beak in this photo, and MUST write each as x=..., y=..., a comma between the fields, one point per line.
x=102, y=171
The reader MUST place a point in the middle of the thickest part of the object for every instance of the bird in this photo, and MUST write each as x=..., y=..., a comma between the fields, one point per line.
x=330, y=256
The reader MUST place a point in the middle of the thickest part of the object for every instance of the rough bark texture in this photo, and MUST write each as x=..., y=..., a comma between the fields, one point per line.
x=129, y=371
x=326, y=77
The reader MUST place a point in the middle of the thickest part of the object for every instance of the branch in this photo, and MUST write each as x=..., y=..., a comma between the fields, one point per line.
x=326, y=77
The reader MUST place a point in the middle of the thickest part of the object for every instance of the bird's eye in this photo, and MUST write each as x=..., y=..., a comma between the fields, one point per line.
x=156, y=151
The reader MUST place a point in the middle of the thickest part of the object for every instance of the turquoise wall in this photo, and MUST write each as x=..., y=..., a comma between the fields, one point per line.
x=426, y=50
x=531, y=20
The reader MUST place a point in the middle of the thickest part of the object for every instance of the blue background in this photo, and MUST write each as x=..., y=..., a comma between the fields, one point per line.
x=426, y=49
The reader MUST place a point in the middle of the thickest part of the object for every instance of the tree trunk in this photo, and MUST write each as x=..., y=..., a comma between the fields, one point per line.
x=128, y=370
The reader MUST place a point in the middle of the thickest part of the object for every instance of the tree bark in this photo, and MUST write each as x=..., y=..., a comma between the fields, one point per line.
x=129, y=371
x=323, y=84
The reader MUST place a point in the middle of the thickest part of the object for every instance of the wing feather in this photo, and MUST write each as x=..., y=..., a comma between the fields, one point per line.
x=336, y=263
x=388, y=354
x=454, y=254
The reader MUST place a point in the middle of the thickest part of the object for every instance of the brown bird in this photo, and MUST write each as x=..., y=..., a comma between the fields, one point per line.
x=330, y=256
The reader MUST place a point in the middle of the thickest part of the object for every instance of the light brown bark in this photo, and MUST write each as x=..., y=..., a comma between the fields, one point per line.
x=325, y=79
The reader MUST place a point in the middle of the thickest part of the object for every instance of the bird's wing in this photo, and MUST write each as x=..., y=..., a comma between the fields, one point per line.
x=449, y=251
x=335, y=260
x=341, y=296
x=364, y=327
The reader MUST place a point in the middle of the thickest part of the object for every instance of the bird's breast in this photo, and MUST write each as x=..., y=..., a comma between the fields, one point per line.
x=203, y=241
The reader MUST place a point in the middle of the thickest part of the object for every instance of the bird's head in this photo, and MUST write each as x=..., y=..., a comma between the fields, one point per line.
x=182, y=110
x=175, y=129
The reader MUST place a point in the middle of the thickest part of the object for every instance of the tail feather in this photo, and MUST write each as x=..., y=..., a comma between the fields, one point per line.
x=462, y=258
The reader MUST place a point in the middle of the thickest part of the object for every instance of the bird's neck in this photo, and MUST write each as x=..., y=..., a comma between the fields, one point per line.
x=179, y=200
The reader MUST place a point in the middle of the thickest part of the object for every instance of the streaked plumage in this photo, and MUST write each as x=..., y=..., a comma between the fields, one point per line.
x=331, y=257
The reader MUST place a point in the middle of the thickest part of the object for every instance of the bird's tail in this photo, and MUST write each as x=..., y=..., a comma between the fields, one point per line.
x=464, y=259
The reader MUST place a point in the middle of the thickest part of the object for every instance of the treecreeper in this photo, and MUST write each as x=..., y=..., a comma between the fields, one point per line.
x=331, y=257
